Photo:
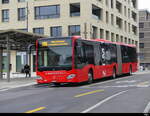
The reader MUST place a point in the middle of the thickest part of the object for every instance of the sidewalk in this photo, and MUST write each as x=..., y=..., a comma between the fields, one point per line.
x=16, y=82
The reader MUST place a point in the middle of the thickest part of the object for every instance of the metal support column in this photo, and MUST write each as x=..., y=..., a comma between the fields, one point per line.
x=1, y=63
x=29, y=53
x=8, y=58
x=30, y=63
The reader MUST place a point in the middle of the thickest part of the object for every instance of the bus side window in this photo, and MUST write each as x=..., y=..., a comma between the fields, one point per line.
x=125, y=57
x=113, y=53
x=108, y=53
x=78, y=61
x=88, y=53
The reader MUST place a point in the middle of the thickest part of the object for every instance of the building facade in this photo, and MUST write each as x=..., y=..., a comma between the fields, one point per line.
x=144, y=41
x=114, y=20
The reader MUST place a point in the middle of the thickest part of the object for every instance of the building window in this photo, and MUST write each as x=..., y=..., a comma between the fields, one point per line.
x=96, y=12
x=141, y=35
x=74, y=30
x=141, y=45
x=141, y=25
x=107, y=17
x=112, y=3
x=102, y=33
x=119, y=22
x=94, y=33
x=119, y=6
x=141, y=56
x=112, y=19
x=46, y=12
x=21, y=0
x=75, y=9
x=21, y=14
x=24, y=29
x=5, y=1
x=56, y=31
x=38, y=30
x=5, y=15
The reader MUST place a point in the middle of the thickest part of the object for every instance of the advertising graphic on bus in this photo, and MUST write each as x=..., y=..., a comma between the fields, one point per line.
x=76, y=60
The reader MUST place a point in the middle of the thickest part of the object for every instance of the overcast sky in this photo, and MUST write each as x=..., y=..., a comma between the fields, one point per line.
x=144, y=4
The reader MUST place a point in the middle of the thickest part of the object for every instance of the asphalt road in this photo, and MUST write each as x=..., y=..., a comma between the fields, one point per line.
x=126, y=94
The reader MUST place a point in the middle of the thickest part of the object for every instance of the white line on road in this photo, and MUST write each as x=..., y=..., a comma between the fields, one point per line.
x=108, y=81
x=4, y=89
x=103, y=101
x=25, y=85
x=147, y=109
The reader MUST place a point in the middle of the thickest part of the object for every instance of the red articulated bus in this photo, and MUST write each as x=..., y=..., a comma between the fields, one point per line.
x=75, y=60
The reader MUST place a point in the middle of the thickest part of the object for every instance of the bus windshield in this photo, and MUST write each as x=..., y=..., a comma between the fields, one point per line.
x=55, y=56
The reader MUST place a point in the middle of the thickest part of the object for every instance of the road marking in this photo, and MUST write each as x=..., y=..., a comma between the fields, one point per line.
x=108, y=81
x=88, y=93
x=127, y=81
x=103, y=101
x=144, y=83
x=4, y=89
x=35, y=110
x=147, y=109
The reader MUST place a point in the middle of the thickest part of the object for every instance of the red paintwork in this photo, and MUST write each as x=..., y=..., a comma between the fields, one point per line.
x=82, y=74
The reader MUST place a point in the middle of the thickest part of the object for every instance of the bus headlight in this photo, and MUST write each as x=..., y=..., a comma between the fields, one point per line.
x=71, y=76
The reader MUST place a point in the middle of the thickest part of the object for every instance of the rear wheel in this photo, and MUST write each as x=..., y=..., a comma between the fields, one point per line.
x=90, y=77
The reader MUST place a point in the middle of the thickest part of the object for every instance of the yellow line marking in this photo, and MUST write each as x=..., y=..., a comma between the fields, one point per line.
x=88, y=93
x=35, y=110
x=144, y=83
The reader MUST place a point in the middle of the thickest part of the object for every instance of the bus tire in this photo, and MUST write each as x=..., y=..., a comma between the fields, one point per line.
x=114, y=73
x=90, y=77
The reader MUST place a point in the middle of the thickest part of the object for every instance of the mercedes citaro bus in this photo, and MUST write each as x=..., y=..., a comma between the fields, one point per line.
x=76, y=60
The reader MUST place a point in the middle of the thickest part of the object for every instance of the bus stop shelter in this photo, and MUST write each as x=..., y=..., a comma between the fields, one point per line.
x=15, y=40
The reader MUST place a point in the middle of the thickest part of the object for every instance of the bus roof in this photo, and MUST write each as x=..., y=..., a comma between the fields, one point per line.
x=96, y=40
x=118, y=43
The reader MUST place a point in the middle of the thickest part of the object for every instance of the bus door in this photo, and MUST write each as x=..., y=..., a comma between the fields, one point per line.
x=104, y=62
x=108, y=60
x=119, y=59
x=98, y=62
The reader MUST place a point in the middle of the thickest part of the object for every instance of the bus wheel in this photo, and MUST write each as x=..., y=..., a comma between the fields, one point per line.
x=90, y=77
x=114, y=74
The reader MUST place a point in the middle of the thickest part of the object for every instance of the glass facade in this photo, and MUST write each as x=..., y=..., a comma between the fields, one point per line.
x=5, y=15
x=21, y=14
x=74, y=30
x=38, y=30
x=46, y=12
x=56, y=31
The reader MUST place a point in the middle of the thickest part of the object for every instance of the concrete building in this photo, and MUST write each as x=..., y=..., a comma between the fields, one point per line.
x=144, y=29
x=114, y=20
